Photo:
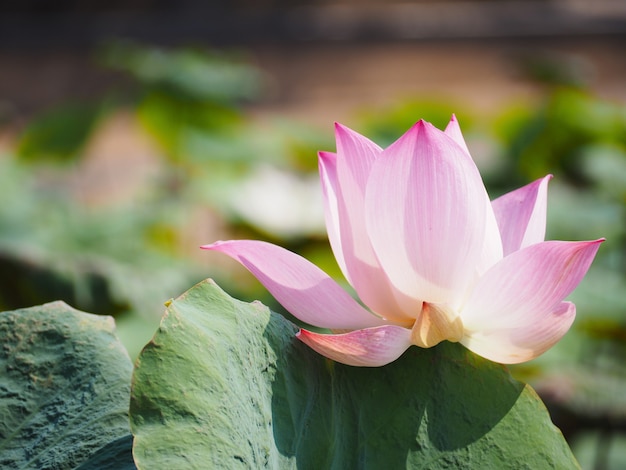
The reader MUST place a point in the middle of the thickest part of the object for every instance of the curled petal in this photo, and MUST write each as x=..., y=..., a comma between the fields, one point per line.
x=344, y=177
x=525, y=342
x=370, y=347
x=521, y=215
x=426, y=214
x=527, y=284
x=300, y=286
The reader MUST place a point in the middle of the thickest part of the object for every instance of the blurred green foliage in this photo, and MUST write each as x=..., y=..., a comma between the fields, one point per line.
x=60, y=134
x=563, y=135
x=127, y=258
x=210, y=77
x=582, y=141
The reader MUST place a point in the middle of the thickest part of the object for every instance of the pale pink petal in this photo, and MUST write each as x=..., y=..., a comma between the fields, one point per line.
x=370, y=347
x=343, y=177
x=527, y=284
x=492, y=244
x=453, y=130
x=356, y=155
x=300, y=286
x=525, y=342
x=491, y=252
x=521, y=215
x=426, y=215
x=327, y=163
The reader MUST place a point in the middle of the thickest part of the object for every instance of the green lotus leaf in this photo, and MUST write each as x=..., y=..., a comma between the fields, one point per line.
x=64, y=391
x=224, y=384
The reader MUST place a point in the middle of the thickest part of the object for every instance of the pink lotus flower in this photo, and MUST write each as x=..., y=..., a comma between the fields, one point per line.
x=432, y=258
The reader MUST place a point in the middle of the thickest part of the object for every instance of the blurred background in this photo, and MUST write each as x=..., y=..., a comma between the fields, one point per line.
x=133, y=132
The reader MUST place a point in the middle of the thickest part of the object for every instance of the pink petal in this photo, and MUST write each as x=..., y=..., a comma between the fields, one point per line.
x=371, y=347
x=453, y=130
x=343, y=178
x=426, y=214
x=356, y=156
x=491, y=252
x=527, y=285
x=492, y=245
x=327, y=163
x=521, y=215
x=525, y=342
x=300, y=286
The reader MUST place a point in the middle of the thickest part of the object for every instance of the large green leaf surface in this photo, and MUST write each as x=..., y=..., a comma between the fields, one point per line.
x=224, y=384
x=64, y=391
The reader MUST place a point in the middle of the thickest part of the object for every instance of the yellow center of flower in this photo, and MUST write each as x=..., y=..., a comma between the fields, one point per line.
x=434, y=324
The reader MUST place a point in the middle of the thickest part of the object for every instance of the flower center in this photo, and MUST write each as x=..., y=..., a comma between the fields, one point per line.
x=435, y=323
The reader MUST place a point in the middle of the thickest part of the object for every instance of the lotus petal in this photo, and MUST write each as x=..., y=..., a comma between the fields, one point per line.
x=521, y=215
x=426, y=212
x=369, y=347
x=527, y=285
x=453, y=130
x=343, y=178
x=524, y=342
x=300, y=286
